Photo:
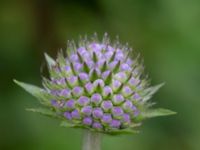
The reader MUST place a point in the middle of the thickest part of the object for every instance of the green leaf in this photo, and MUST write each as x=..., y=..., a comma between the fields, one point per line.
x=37, y=92
x=157, y=112
x=44, y=111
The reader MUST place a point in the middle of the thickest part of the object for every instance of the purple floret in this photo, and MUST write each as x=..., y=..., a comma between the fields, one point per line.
x=78, y=66
x=74, y=58
x=75, y=114
x=136, y=96
x=70, y=104
x=105, y=74
x=107, y=90
x=72, y=80
x=68, y=115
x=106, y=105
x=127, y=91
x=65, y=92
x=87, y=121
x=97, y=113
x=54, y=103
x=118, y=99
x=117, y=111
x=96, y=125
x=127, y=105
x=77, y=91
x=84, y=76
x=96, y=98
x=107, y=118
x=89, y=87
x=126, y=118
x=86, y=110
x=125, y=67
x=83, y=101
x=115, y=124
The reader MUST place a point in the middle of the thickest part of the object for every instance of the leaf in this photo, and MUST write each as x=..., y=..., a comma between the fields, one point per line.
x=151, y=90
x=44, y=111
x=37, y=92
x=158, y=112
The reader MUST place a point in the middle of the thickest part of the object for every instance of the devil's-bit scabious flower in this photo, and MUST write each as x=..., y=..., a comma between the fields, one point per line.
x=98, y=85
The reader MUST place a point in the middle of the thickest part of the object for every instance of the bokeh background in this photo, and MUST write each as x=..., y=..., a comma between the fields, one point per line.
x=166, y=32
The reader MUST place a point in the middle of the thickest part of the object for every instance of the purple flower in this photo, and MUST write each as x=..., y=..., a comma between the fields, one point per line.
x=98, y=86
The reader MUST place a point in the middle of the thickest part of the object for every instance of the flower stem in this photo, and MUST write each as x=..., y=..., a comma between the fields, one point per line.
x=91, y=140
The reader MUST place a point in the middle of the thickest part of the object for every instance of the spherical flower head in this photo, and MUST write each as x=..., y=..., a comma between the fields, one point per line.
x=98, y=85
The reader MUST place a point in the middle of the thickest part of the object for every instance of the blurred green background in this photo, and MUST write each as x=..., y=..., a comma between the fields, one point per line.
x=166, y=32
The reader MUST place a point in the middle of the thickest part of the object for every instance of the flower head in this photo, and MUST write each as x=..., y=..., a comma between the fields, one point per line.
x=98, y=85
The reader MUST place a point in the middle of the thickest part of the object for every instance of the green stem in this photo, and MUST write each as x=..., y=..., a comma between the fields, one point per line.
x=91, y=140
